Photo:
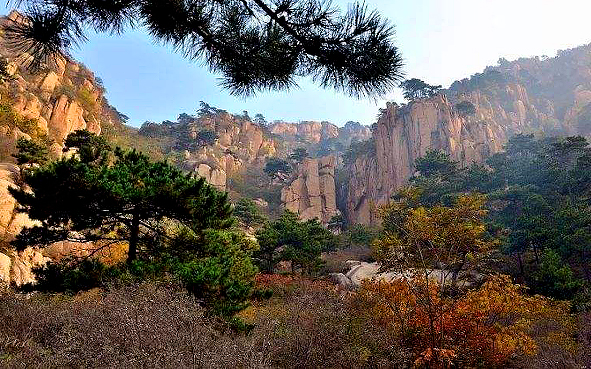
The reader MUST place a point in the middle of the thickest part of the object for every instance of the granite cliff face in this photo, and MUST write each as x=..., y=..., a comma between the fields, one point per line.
x=550, y=96
x=241, y=143
x=319, y=132
x=59, y=99
x=312, y=193
x=234, y=144
x=313, y=132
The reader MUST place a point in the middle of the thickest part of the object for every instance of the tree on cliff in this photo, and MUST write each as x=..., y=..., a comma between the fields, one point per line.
x=256, y=45
x=466, y=108
x=30, y=153
x=414, y=89
x=82, y=199
x=299, y=154
x=277, y=168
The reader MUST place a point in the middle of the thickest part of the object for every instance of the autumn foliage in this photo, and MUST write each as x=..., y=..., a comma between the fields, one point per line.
x=485, y=327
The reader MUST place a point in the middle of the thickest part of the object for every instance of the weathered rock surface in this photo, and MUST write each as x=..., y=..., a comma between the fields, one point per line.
x=312, y=193
x=315, y=132
x=361, y=271
x=5, y=266
x=550, y=99
x=240, y=143
x=63, y=98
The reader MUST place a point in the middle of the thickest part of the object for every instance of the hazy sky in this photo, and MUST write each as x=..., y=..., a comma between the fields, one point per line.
x=440, y=40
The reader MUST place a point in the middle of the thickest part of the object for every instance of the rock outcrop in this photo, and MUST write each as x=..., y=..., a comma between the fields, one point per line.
x=535, y=95
x=240, y=144
x=361, y=271
x=312, y=193
x=313, y=132
x=404, y=134
x=60, y=99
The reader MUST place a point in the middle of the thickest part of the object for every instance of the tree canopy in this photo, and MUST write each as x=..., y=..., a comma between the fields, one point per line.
x=414, y=89
x=256, y=45
x=290, y=239
x=129, y=200
x=538, y=197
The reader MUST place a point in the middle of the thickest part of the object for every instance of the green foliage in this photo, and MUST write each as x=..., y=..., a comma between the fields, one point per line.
x=30, y=152
x=71, y=277
x=127, y=200
x=11, y=119
x=260, y=120
x=358, y=149
x=554, y=278
x=276, y=167
x=251, y=44
x=88, y=101
x=336, y=223
x=221, y=273
x=248, y=213
x=299, y=154
x=205, y=110
x=206, y=137
x=290, y=239
x=414, y=89
x=465, y=108
x=91, y=149
x=539, y=195
x=157, y=147
x=435, y=163
x=360, y=235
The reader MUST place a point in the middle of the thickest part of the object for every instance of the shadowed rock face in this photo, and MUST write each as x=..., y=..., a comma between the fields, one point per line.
x=312, y=193
x=550, y=96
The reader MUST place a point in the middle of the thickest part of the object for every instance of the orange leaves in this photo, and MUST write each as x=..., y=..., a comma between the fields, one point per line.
x=487, y=326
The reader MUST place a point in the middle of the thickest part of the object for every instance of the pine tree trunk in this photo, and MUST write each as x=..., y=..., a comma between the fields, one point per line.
x=133, y=239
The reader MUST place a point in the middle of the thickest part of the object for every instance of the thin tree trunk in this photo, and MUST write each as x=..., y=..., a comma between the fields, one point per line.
x=133, y=238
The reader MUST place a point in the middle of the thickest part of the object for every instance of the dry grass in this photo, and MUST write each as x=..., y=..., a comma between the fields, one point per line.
x=144, y=326
x=306, y=324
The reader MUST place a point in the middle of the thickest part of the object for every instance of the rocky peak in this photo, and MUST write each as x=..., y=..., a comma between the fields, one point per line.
x=312, y=193
x=60, y=98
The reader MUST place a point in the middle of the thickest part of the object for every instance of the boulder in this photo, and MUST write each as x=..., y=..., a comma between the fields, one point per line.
x=341, y=280
x=5, y=264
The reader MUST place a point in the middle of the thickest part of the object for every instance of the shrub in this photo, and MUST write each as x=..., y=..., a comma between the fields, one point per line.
x=487, y=327
x=136, y=326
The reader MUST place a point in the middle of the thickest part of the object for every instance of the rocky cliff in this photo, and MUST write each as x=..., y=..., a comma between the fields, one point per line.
x=62, y=97
x=312, y=193
x=548, y=95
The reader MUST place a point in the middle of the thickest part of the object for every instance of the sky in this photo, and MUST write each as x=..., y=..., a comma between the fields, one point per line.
x=440, y=40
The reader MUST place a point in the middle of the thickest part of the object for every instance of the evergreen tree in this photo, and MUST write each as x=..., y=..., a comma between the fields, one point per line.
x=131, y=200
x=277, y=167
x=290, y=239
x=248, y=213
x=414, y=89
x=30, y=152
x=256, y=45
x=298, y=155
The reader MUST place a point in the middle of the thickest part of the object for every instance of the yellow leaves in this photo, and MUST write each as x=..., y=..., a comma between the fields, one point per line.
x=437, y=234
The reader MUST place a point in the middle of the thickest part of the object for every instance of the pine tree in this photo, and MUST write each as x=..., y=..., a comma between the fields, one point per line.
x=256, y=45
x=131, y=199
